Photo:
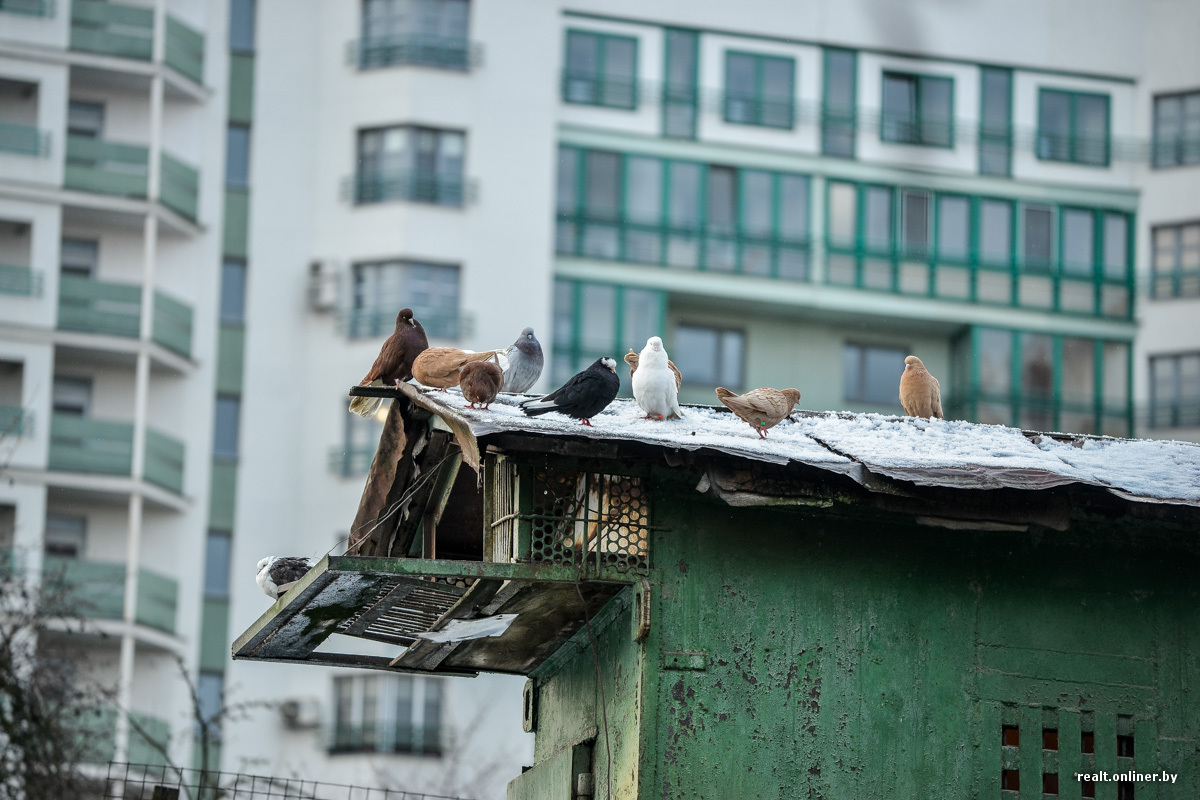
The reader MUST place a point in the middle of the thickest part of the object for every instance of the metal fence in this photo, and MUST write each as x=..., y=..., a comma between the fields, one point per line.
x=144, y=782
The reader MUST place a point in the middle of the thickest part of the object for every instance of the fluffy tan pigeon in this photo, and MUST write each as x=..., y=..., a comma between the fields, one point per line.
x=441, y=367
x=481, y=382
x=395, y=361
x=920, y=392
x=762, y=408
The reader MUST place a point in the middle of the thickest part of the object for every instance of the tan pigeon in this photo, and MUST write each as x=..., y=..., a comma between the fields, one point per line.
x=631, y=358
x=762, y=408
x=920, y=392
x=441, y=367
x=481, y=382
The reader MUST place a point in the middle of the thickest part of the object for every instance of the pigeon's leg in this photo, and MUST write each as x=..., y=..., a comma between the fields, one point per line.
x=762, y=433
x=653, y=416
x=587, y=422
x=487, y=407
x=469, y=405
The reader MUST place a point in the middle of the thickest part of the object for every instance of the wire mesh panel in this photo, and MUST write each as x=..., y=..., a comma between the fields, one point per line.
x=588, y=517
x=142, y=782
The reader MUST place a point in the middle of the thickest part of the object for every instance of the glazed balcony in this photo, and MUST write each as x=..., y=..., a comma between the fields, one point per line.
x=17, y=423
x=96, y=590
x=122, y=170
x=125, y=31
x=101, y=447
x=23, y=140
x=148, y=737
x=28, y=8
x=418, y=49
x=21, y=281
x=115, y=309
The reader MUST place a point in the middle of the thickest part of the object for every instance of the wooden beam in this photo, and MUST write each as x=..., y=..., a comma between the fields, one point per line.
x=392, y=442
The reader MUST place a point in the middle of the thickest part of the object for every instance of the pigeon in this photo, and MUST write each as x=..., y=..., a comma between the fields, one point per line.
x=395, y=361
x=920, y=392
x=631, y=358
x=523, y=362
x=763, y=408
x=441, y=367
x=480, y=382
x=583, y=396
x=277, y=574
x=654, y=386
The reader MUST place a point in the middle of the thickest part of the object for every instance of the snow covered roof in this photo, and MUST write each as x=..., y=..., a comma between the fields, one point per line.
x=945, y=453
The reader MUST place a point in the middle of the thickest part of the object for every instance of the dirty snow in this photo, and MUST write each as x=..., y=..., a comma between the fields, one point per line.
x=912, y=449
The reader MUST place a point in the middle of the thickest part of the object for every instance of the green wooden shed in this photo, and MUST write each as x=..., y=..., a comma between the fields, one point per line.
x=858, y=606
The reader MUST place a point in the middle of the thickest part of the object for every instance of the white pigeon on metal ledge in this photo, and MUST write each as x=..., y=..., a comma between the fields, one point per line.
x=654, y=386
x=277, y=574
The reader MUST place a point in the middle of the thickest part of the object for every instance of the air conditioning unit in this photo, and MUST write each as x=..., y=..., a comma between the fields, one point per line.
x=322, y=285
x=301, y=712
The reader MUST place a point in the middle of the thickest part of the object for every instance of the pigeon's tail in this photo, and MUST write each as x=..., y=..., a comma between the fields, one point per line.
x=536, y=408
x=366, y=406
x=484, y=356
x=724, y=394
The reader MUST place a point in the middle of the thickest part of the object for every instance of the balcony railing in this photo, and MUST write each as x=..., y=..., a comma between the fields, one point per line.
x=123, y=31
x=439, y=323
x=415, y=49
x=98, y=727
x=399, y=738
x=122, y=170
x=24, y=140
x=115, y=309
x=443, y=189
x=96, y=590
x=349, y=462
x=20, y=280
x=15, y=422
x=80, y=444
x=29, y=8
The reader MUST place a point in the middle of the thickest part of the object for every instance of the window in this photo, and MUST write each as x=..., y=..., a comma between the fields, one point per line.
x=225, y=429
x=424, y=165
x=387, y=714
x=918, y=109
x=601, y=70
x=217, y=548
x=79, y=257
x=65, y=536
x=241, y=26
x=839, y=104
x=871, y=374
x=760, y=90
x=681, y=98
x=381, y=289
x=1177, y=129
x=1175, y=262
x=237, y=156
x=360, y=438
x=210, y=691
x=1175, y=391
x=85, y=119
x=72, y=396
x=592, y=320
x=995, y=124
x=1073, y=127
x=233, y=292
x=709, y=356
x=1037, y=238
x=682, y=214
x=431, y=33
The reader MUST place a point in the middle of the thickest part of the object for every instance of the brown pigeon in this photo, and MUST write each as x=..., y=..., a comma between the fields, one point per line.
x=763, y=408
x=395, y=361
x=480, y=382
x=920, y=392
x=631, y=358
x=440, y=367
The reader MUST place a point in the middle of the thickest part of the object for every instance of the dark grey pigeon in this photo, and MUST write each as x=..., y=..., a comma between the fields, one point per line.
x=525, y=362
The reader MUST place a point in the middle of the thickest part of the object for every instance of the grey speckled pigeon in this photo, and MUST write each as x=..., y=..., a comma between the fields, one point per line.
x=525, y=360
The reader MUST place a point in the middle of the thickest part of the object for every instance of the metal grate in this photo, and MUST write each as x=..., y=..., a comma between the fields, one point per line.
x=403, y=609
x=143, y=782
x=579, y=517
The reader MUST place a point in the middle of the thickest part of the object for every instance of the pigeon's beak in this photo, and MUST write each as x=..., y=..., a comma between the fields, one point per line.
x=657, y=348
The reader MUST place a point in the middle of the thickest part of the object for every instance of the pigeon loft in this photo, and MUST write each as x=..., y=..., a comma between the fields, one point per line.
x=832, y=609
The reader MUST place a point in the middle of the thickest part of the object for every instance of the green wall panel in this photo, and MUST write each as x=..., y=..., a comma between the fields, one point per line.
x=231, y=344
x=222, y=495
x=237, y=221
x=214, y=635
x=241, y=87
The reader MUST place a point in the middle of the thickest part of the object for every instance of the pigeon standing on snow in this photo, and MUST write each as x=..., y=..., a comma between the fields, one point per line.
x=480, y=382
x=920, y=392
x=395, y=361
x=277, y=574
x=525, y=361
x=441, y=367
x=583, y=396
x=763, y=408
x=653, y=381
x=631, y=358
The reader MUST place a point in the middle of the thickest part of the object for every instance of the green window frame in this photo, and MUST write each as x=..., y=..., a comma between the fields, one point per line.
x=593, y=320
x=1063, y=133
x=1175, y=390
x=1043, y=381
x=683, y=214
x=1175, y=260
x=1176, y=129
x=995, y=121
x=753, y=104
x=976, y=249
x=839, y=102
x=907, y=116
x=680, y=91
x=596, y=73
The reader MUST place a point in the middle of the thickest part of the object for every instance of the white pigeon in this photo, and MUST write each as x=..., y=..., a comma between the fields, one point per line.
x=654, y=383
x=277, y=574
